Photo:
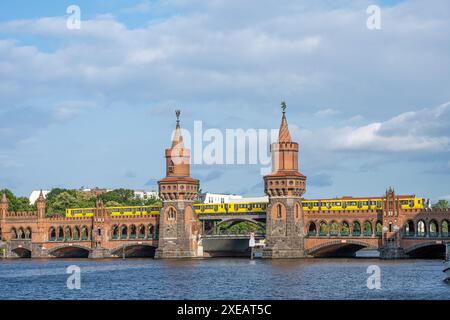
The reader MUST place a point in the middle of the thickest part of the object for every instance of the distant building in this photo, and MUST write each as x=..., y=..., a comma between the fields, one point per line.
x=35, y=195
x=217, y=197
x=95, y=191
x=252, y=199
x=142, y=194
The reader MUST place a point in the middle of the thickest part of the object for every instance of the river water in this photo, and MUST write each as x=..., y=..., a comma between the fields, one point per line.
x=221, y=278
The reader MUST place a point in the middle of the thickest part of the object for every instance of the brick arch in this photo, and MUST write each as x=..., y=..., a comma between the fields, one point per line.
x=356, y=228
x=423, y=245
x=22, y=252
x=278, y=211
x=311, y=228
x=339, y=244
x=297, y=211
x=130, y=249
x=115, y=231
x=171, y=214
x=69, y=251
x=124, y=231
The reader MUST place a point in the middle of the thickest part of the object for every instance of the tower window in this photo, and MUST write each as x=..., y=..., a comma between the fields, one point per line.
x=171, y=215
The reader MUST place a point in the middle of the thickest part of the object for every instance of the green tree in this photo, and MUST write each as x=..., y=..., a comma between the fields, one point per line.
x=112, y=204
x=122, y=196
x=61, y=202
x=17, y=204
x=151, y=201
x=441, y=204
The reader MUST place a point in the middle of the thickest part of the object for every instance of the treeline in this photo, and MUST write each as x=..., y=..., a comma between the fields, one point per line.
x=441, y=204
x=58, y=200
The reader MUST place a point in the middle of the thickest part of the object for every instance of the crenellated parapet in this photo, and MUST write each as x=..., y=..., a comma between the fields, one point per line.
x=22, y=215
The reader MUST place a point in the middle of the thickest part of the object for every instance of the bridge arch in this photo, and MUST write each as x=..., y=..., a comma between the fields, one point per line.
x=76, y=233
x=60, y=234
x=141, y=231
x=132, y=232
x=134, y=250
x=312, y=229
x=68, y=233
x=28, y=233
x=124, y=232
x=70, y=251
x=13, y=233
x=338, y=248
x=323, y=228
x=345, y=228
x=51, y=234
x=151, y=232
x=356, y=228
x=421, y=228
x=433, y=228
x=21, y=252
x=445, y=228
x=85, y=234
x=429, y=249
x=115, y=232
x=368, y=228
x=410, y=229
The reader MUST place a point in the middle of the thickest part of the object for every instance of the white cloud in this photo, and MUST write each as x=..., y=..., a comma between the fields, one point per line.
x=326, y=112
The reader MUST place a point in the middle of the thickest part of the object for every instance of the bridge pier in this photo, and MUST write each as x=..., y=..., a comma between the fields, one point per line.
x=99, y=253
x=392, y=253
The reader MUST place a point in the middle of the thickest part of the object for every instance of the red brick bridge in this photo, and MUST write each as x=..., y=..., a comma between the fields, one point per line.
x=178, y=231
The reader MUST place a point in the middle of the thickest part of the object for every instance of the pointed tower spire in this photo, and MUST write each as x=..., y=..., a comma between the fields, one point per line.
x=4, y=199
x=41, y=196
x=283, y=134
x=177, y=141
x=4, y=205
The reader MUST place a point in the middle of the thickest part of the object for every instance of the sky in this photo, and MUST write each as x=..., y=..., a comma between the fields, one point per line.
x=95, y=106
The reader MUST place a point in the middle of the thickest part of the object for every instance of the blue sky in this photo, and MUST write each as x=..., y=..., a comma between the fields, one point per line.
x=94, y=107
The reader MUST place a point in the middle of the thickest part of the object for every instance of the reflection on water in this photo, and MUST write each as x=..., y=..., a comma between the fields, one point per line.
x=222, y=279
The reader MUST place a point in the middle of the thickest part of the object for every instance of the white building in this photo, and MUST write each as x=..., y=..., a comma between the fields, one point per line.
x=142, y=194
x=35, y=195
x=218, y=197
x=253, y=199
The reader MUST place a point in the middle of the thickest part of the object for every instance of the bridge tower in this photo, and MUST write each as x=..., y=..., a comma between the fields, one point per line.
x=3, y=207
x=178, y=223
x=3, y=212
x=285, y=186
x=100, y=223
x=392, y=222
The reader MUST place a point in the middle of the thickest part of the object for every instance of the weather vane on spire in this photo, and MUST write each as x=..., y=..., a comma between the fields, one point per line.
x=283, y=106
x=177, y=113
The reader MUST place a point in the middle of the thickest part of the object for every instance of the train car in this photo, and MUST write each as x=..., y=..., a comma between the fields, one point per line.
x=349, y=203
x=115, y=211
x=230, y=208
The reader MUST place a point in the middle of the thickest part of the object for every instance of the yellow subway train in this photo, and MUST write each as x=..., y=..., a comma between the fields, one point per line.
x=115, y=211
x=337, y=204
